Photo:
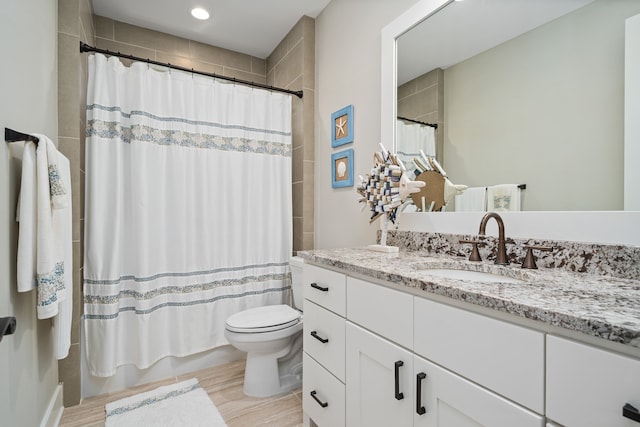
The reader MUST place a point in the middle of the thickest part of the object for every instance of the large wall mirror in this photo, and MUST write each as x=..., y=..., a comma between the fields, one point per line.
x=525, y=92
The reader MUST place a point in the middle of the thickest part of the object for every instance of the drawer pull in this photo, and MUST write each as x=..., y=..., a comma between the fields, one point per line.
x=399, y=395
x=320, y=402
x=420, y=410
x=318, y=287
x=319, y=338
x=628, y=411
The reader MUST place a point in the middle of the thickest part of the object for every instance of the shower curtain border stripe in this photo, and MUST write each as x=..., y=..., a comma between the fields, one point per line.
x=181, y=304
x=186, y=121
x=184, y=274
x=84, y=47
x=147, y=134
x=184, y=290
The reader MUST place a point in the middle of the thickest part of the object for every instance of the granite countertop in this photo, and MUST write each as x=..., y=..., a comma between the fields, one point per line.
x=600, y=306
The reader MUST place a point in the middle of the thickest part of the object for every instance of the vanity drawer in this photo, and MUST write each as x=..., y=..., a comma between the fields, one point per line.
x=588, y=387
x=325, y=287
x=324, y=335
x=382, y=310
x=502, y=357
x=327, y=390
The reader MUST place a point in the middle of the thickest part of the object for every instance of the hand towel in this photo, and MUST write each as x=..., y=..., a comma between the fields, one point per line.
x=45, y=251
x=503, y=197
x=26, y=216
x=473, y=199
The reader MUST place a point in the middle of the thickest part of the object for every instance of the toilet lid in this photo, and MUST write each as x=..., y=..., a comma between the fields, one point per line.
x=263, y=319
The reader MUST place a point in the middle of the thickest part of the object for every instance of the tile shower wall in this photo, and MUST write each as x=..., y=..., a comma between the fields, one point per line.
x=291, y=66
x=75, y=24
x=423, y=99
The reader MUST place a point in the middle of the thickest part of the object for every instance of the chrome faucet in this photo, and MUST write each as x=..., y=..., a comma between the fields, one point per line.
x=501, y=256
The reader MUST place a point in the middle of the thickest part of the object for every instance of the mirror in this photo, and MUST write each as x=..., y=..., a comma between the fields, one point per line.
x=523, y=92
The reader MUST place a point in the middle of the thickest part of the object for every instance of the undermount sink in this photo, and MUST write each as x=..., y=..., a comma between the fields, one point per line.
x=480, y=276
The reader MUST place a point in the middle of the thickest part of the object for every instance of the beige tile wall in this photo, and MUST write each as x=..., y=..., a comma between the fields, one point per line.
x=423, y=99
x=75, y=23
x=121, y=37
x=291, y=66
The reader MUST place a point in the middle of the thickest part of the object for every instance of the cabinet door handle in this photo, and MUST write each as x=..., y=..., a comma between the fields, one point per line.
x=320, y=402
x=420, y=410
x=399, y=395
x=318, y=287
x=319, y=338
x=628, y=411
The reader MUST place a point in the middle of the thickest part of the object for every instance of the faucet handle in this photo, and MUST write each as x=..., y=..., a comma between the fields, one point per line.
x=475, y=254
x=529, y=259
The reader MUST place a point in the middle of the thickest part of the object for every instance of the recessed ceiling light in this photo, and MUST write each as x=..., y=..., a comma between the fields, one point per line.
x=200, y=13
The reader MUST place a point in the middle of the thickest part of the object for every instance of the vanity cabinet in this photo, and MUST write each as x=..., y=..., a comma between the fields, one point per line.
x=588, y=386
x=323, y=390
x=398, y=359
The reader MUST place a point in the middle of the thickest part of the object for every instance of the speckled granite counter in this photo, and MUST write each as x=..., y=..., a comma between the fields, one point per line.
x=596, y=305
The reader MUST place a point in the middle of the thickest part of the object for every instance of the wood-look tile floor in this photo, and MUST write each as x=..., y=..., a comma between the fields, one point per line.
x=224, y=385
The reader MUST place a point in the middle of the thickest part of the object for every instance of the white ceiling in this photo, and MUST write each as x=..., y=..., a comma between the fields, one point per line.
x=463, y=29
x=253, y=27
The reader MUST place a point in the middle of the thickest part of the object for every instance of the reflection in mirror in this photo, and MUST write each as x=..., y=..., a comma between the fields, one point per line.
x=523, y=92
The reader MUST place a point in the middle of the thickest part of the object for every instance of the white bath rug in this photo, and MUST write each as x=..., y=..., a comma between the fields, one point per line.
x=182, y=404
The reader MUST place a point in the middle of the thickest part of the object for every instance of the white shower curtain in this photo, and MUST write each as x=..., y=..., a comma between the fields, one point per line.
x=188, y=215
x=413, y=137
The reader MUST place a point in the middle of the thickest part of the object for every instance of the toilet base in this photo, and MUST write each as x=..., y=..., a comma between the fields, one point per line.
x=266, y=375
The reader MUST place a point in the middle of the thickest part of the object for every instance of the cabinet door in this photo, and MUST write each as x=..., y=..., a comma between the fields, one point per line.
x=588, y=386
x=500, y=356
x=446, y=400
x=379, y=386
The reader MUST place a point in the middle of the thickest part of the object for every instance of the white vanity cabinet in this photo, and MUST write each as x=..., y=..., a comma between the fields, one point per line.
x=323, y=391
x=400, y=359
x=589, y=386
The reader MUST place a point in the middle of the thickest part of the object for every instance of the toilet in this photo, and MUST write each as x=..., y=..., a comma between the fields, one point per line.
x=272, y=338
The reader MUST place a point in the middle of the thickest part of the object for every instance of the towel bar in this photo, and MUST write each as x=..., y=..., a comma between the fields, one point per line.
x=7, y=326
x=11, y=135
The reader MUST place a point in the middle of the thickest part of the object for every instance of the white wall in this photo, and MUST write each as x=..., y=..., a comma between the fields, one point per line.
x=348, y=72
x=631, y=114
x=28, y=84
x=502, y=109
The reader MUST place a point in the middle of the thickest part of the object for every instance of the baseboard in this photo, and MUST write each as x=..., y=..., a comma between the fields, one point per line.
x=53, y=414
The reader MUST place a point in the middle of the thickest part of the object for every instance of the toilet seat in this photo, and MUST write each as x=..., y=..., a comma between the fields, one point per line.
x=263, y=319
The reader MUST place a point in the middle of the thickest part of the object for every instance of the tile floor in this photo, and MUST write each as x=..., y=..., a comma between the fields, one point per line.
x=224, y=385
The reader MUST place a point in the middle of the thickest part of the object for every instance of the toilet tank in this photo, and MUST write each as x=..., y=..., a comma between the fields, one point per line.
x=296, y=264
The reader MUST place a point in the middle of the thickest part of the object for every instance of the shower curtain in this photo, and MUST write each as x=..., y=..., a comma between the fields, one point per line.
x=413, y=137
x=188, y=215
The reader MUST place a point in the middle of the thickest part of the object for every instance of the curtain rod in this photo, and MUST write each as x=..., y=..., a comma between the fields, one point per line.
x=87, y=48
x=11, y=135
x=435, y=126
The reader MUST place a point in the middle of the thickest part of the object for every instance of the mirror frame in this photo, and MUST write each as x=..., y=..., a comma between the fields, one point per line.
x=608, y=227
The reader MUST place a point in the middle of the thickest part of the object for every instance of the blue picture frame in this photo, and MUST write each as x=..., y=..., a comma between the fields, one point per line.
x=342, y=169
x=342, y=126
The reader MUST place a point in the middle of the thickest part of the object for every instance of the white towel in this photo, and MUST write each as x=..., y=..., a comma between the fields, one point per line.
x=45, y=251
x=503, y=197
x=473, y=199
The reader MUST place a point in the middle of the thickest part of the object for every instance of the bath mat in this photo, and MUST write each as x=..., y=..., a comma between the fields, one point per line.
x=182, y=404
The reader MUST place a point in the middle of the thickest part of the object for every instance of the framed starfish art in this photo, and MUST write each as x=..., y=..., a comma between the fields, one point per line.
x=342, y=126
